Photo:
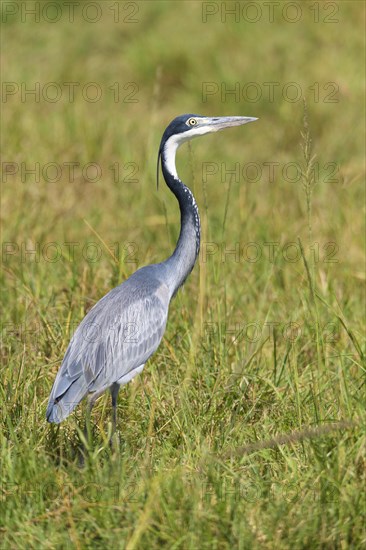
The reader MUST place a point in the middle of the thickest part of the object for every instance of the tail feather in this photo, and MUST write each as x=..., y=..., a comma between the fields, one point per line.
x=59, y=408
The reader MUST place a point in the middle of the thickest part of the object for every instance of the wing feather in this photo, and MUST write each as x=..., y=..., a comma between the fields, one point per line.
x=117, y=335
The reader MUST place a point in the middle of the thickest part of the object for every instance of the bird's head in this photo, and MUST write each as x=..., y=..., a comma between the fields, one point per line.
x=186, y=127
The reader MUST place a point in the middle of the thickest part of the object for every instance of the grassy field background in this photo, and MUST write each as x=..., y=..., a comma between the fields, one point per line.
x=266, y=337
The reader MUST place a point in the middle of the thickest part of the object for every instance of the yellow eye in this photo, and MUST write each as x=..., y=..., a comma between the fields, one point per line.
x=192, y=121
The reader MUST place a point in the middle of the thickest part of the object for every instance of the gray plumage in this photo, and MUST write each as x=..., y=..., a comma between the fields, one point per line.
x=119, y=334
x=113, y=341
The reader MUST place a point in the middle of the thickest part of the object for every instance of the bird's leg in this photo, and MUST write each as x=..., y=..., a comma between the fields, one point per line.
x=114, y=394
x=91, y=401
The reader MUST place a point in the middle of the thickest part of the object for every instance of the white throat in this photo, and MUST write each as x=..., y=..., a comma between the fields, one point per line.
x=172, y=144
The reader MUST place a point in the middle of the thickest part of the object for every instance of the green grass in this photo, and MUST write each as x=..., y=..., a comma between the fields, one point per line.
x=245, y=429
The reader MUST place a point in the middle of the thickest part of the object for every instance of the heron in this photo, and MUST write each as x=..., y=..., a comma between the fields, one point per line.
x=122, y=330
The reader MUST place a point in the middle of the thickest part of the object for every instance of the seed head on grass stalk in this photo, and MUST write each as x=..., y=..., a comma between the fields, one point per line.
x=308, y=172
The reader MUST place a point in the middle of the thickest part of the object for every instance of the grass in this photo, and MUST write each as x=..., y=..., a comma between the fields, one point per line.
x=246, y=428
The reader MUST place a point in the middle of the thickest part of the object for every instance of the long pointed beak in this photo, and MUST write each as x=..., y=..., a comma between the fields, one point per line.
x=219, y=123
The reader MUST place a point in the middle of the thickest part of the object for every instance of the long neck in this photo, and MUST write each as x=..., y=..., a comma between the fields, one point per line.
x=182, y=261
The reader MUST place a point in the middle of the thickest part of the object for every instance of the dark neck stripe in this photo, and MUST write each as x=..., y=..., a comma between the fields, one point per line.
x=182, y=261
